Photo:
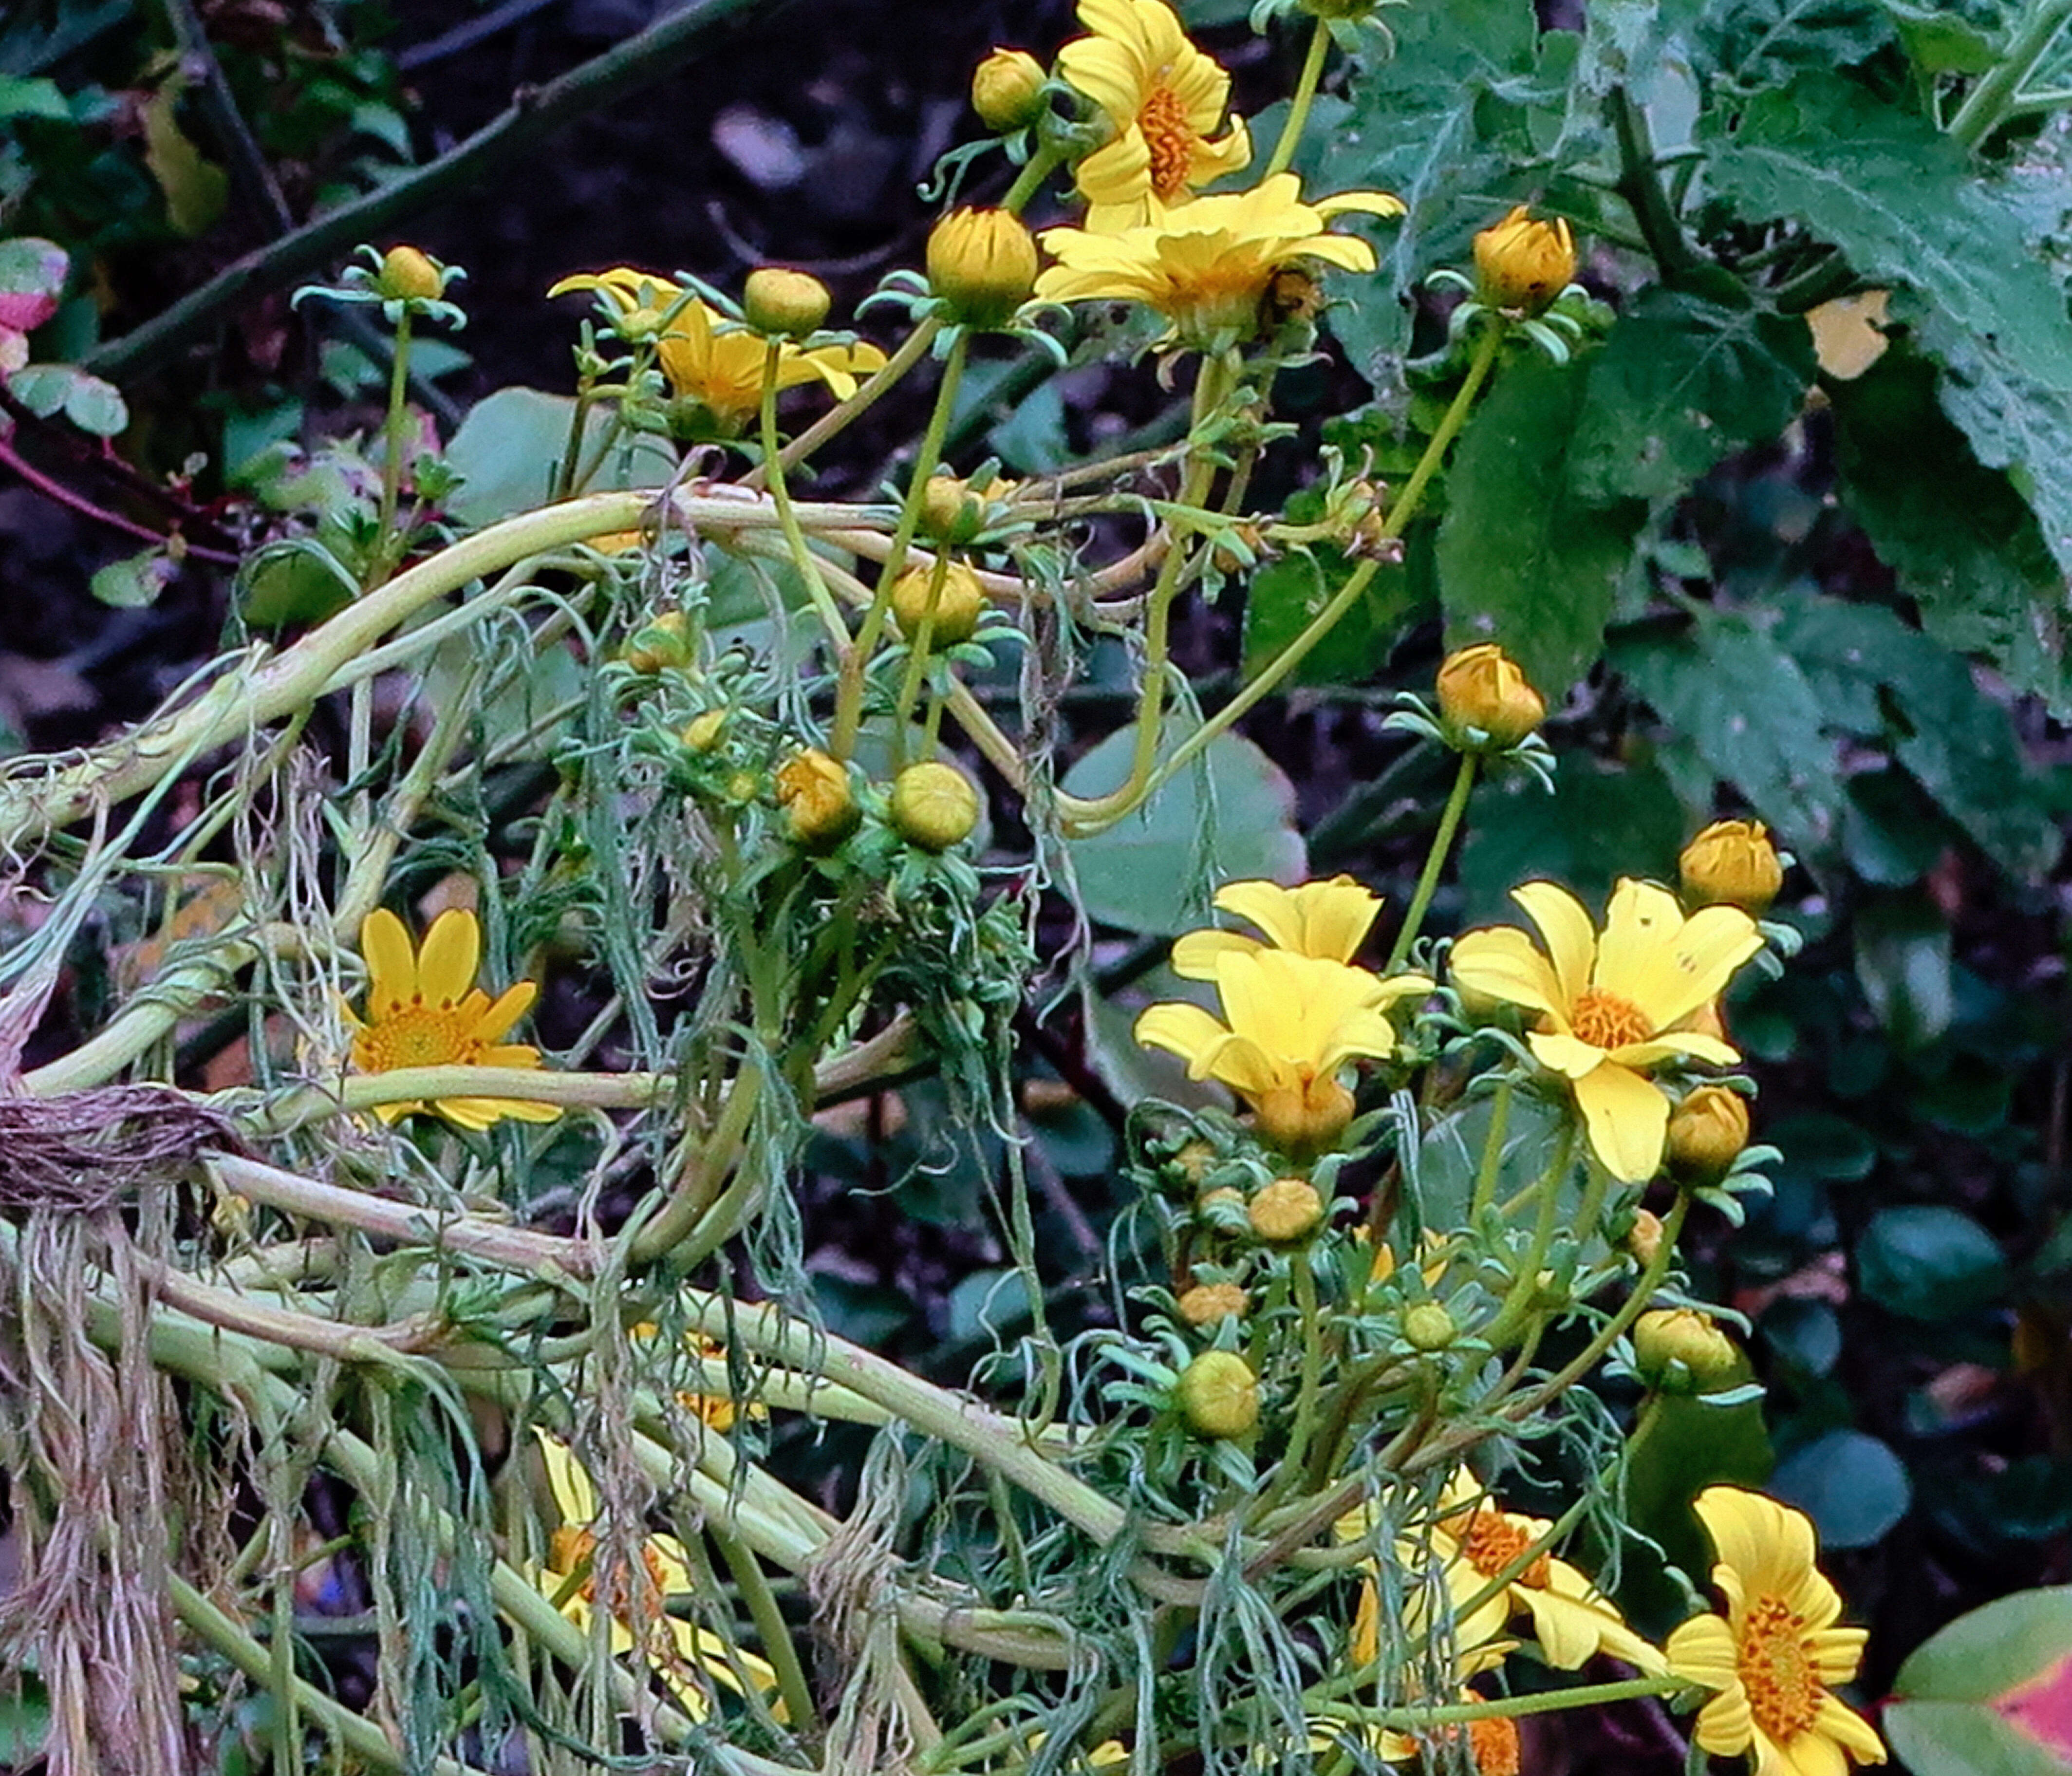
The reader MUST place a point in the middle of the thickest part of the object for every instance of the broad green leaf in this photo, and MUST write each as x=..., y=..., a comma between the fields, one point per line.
x=1979, y=1657
x=1991, y=1694
x=37, y=98
x=1961, y=538
x=1903, y=965
x=1726, y=690
x=1521, y=560
x=1852, y=1486
x=1601, y=822
x=1680, y=1447
x=1804, y=1333
x=510, y=445
x=92, y=405
x=135, y=581
x=195, y=188
x=1679, y=383
x=32, y=267
x=1927, y=1262
x=295, y=580
x=1749, y=44
x=1285, y=595
x=1228, y=817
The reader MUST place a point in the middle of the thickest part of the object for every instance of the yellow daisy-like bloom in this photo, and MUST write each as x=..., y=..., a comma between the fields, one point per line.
x=1613, y=1006
x=1775, y=1658
x=1165, y=100
x=714, y=1410
x=678, y=1650
x=1294, y=1023
x=1326, y=919
x=1208, y=265
x=712, y=360
x=424, y=1009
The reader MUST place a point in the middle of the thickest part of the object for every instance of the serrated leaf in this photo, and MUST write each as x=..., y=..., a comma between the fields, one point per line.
x=1727, y=690
x=1749, y=44
x=1679, y=382
x=1523, y=562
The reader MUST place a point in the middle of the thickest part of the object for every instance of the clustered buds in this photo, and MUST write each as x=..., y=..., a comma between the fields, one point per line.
x=1731, y=863
x=1007, y=90
x=982, y=264
x=1522, y=266
x=1707, y=1133
x=785, y=304
x=1482, y=692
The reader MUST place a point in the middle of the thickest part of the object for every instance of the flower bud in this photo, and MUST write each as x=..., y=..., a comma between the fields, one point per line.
x=408, y=275
x=1219, y=1395
x=819, y=807
x=958, y=606
x=982, y=263
x=1682, y=1335
x=1731, y=863
x=1192, y=1162
x=1428, y=1326
x=1643, y=1239
x=950, y=512
x=1213, y=1202
x=1707, y=1131
x=1007, y=90
x=1523, y=265
x=787, y=304
x=1206, y=1303
x=663, y=643
x=703, y=732
x=1481, y=688
x=1287, y=1209
x=1298, y=1121
x=934, y=805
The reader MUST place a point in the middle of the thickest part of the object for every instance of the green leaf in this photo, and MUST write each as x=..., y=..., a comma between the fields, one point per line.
x=195, y=188
x=1601, y=822
x=47, y=389
x=1991, y=1694
x=1680, y=382
x=1680, y=1447
x=1939, y=39
x=296, y=581
x=1154, y=870
x=510, y=446
x=1927, y=1262
x=1960, y=536
x=20, y=98
x=132, y=583
x=1749, y=44
x=1726, y=690
x=1852, y=1486
x=1903, y=965
x=32, y=267
x=1522, y=562
x=1285, y=595
x=1979, y=1657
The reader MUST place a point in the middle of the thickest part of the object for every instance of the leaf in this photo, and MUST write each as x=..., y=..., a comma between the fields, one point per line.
x=1991, y=1694
x=93, y=405
x=1927, y=1262
x=1522, y=562
x=1285, y=595
x=37, y=98
x=296, y=581
x=1727, y=690
x=1852, y=1486
x=1679, y=383
x=1940, y=40
x=136, y=582
x=1601, y=822
x=510, y=444
x=1755, y=43
x=30, y=266
x=1903, y=965
x=1154, y=870
x=195, y=189
x=1962, y=539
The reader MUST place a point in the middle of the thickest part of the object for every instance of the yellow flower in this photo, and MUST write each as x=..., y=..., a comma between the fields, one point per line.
x=1523, y=265
x=1615, y=1007
x=820, y=806
x=1707, y=1134
x=1481, y=688
x=1325, y=919
x=1165, y=99
x=1731, y=862
x=709, y=359
x=1208, y=265
x=1295, y=1021
x=678, y=1650
x=1775, y=1658
x=424, y=1009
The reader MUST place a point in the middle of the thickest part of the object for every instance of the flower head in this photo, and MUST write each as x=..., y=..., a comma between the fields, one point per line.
x=1777, y=1655
x=1707, y=1134
x=424, y=1009
x=982, y=263
x=1325, y=919
x=1294, y=1023
x=819, y=804
x=1731, y=863
x=1165, y=100
x=1007, y=90
x=1208, y=265
x=1482, y=688
x=1612, y=1008
x=1523, y=265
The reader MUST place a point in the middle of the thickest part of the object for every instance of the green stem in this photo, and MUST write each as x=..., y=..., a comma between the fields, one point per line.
x=787, y=517
x=1518, y=1299
x=1640, y=184
x=771, y=1630
x=1506, y=1708
x=1298, y=107
x=911, y=352
x=848, y=696
x=919, y=645
x=1313, y=1363
x=1986, y=107
x=388, y=546
x=1030, y=178
x=1435, y=859
x=1492, y=1160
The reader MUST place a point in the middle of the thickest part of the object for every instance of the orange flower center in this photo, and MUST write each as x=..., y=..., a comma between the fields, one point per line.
x=418, y=1035
x=1171, y=139
x=1495, y=1744
x=1490, y=1542
x=570, y=1549
x=1603, y=1020
x=1783, y=1691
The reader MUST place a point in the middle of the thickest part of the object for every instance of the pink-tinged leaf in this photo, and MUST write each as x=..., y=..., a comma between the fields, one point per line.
x=21, y=309
x=30, y=266
x=2042, y=1708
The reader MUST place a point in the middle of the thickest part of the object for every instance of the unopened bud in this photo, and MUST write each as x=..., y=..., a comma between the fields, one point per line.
x=664, y=643
x=1681, y=1350
x=1288, y=1209
x=1301, y=1121
x=1191, y=1162
x=1707, y=1131
x=934, y=805
x=1007, y=90
x=788, y=304
x=1428, y=1326
x=408, y=275
x=982, y=263
x=1206, y=1303
x=1523, y=265
x=950, y=512
x=819, y=807
x=1482, y=688
x=703, y=732
x=1731, y=863
x=956, y=606
x=1643, y=1239
x=1219, y=1395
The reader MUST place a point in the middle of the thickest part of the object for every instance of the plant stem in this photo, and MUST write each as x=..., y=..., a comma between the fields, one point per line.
x=1989, y=104
x=911, y=350
x=1298, y=107
x=1435, y=859
x=1492, y=1159
x=1641, y=185
x=388, y=546
x=787, y=516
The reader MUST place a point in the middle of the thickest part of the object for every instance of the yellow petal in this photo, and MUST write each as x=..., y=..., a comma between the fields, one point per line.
x=1702, y=1650
x=1500, y=962
x=510, y=1005
x=391, y=966
x=1641, y=925
x=1766, y=1545
x=1572, y=945
x=1570, y=1056
x=1182, y=1029
x=1276, y=910
x=568, y=1480
x=480, y=1112
x=452, y=953
x=1850, y=1730
x=1627, y=1119
x=1194, y=956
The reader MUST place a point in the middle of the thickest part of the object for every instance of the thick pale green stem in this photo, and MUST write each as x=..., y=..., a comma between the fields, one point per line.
x=1305, y=95
x=787, y=517
x=1989, y=103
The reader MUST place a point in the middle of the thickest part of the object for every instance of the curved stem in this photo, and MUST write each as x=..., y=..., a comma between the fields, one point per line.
x=911, y=352
x=1435, y=860
x=787, y=516
x=1305, y=94
x=1989, y=104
